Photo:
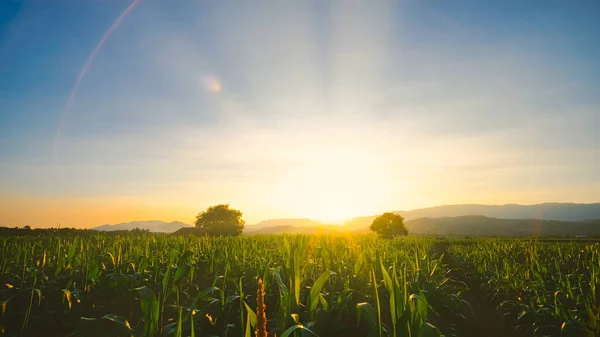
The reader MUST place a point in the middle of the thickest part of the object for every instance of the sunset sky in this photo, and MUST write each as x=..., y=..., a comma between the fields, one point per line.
x=316, y=109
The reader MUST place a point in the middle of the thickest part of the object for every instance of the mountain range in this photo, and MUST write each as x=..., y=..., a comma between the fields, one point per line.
x=151, y=225
x=545, y=211
x=547, y=219
x=481, y=226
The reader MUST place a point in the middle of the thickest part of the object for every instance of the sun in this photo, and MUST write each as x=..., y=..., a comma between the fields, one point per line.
x=332, y=211
x=334, y=188
x=336, y=202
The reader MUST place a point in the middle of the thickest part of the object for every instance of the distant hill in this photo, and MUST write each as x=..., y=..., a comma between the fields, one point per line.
x=481, y=226
x=545, y=211
x=476, y=220
x=287, y=229
x=156, y=226
x=191, y=231
x=473, y=225
x=299, y=222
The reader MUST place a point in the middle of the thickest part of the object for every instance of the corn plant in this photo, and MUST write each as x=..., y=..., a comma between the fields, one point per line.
x=157, y=285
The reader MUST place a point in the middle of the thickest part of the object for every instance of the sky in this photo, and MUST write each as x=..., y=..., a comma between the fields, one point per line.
x=319, y=109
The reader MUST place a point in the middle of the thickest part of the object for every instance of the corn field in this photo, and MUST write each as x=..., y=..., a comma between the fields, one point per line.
x=544, y=288
x=289, y=285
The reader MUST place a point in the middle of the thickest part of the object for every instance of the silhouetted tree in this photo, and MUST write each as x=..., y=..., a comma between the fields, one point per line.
x=389, y=225
x=221, y=220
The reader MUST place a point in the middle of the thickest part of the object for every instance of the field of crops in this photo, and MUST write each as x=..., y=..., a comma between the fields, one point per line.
x=154, y=285
x=543, y=288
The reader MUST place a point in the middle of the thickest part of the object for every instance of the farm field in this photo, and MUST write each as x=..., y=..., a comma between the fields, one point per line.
x=156, y=285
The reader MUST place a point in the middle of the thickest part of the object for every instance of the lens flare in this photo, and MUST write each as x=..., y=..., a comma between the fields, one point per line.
x=85, y=69
x=212, y=84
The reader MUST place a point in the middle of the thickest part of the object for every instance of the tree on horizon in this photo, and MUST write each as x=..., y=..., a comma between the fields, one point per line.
x=221, y=220
x=389, y=225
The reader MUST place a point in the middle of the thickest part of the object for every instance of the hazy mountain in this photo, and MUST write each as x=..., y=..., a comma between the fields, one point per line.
x=484, y=226
x=300, y=222
x=152, y=225
x=545, y=211
x=474, y=225
x=301, y=229
x=456, y=219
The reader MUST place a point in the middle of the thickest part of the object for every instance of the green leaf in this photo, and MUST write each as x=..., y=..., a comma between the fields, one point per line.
x=73, y=249
x=282, y=287
x=119, y=320
x=181, y=272
x=150, y=309
x=389, y=286
x=250, y=321
x=323, y=302
x=591, y=316
x=165, y=280
x=39, y=293
x=376, y=295
x=293, y=328
x=112, y=258
x=358, y=265
x=366, y=312
x=315, y=291
x=429, y=330
x=201, y=295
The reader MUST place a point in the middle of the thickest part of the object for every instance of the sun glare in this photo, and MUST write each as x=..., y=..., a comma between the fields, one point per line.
x=332, y=211
x=331, y=186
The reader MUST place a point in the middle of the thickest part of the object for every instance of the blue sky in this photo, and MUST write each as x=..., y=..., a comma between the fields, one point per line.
x=297, y=109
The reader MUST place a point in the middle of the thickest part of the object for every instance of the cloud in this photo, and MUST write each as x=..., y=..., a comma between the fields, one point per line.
x=290, y=109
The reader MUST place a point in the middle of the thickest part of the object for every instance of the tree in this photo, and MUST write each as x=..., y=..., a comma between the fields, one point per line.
x=389, y=225
x=221, y=220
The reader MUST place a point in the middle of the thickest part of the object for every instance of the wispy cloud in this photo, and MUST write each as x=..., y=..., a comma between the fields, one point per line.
x=311, y=110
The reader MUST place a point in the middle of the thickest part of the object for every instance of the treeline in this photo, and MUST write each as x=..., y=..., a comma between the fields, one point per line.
x=66, y=231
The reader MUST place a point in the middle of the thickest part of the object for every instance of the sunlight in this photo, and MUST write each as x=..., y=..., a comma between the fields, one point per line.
x=333, y=211
x=332, y=185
